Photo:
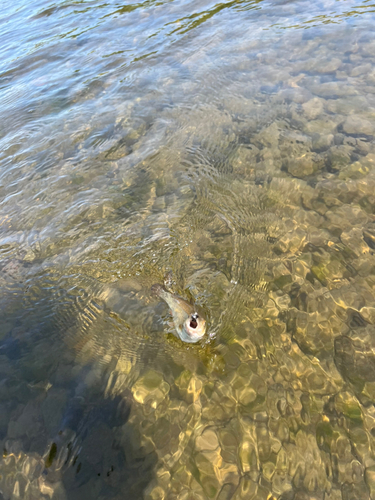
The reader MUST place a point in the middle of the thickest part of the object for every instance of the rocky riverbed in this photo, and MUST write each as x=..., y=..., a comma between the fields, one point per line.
x=243, y=165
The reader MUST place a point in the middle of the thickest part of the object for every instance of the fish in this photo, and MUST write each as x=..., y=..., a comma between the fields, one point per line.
x=189, y=320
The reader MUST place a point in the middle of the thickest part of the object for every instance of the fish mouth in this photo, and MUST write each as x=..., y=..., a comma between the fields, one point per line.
x=194, y=328
x=194, y=321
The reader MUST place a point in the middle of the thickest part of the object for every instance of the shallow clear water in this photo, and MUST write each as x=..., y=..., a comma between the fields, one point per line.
x=230, y=145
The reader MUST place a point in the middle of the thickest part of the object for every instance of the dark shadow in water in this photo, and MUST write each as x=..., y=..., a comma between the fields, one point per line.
x=105, y=457
x=56, y=414
x=94, y=452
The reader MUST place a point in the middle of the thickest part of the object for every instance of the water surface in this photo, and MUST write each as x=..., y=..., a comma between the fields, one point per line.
x=228, y=145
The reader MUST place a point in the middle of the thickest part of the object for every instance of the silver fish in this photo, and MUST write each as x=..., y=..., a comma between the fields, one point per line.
x=189, y=320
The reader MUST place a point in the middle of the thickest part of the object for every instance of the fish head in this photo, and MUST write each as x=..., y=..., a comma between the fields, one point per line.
x=194, y=326
x=189, y=320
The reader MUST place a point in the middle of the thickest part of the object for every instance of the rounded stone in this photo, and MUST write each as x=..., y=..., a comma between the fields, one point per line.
x=355, y=125
x=313, y=108
x=368, y=314
x=151, y=388
x=207, y=441
x=304, y=165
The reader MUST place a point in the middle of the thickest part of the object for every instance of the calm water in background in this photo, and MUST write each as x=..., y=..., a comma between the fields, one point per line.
x=232, y=145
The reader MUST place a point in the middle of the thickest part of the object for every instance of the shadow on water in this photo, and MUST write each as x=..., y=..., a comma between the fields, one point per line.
x=98, y=450
x=66, y=429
